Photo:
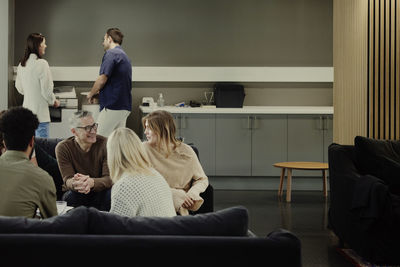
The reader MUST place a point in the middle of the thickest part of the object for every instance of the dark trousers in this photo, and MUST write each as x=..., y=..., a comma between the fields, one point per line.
x=99, y=200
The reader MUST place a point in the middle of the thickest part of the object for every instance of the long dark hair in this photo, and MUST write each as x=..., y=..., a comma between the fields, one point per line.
x=32, y=46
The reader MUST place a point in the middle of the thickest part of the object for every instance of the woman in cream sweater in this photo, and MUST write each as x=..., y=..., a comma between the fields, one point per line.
x=34, y=81
x=176, y=161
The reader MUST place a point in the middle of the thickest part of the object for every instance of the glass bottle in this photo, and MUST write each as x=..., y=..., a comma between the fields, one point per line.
x=160, y=100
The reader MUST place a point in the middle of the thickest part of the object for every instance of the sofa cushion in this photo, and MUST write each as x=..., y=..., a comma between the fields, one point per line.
x=390, y=173
x=73, y=222
x=49, y=164
x=48, y=144
x=380, y=158
x=228, y=222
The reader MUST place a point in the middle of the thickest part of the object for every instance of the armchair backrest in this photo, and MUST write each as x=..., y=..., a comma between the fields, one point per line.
x=48, y=144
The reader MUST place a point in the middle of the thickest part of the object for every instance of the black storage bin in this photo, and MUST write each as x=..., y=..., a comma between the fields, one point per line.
x=55, y=114
x=229, y=95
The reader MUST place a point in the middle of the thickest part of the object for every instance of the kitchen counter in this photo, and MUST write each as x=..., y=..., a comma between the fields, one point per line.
x=326, y=110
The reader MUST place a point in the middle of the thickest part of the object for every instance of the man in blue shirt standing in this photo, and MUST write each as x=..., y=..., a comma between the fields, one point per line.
x=114, y=85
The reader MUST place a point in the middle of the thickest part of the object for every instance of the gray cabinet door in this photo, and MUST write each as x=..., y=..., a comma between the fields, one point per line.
x=233, y=145
x=328, y=135
x=199, y=129
x=305, y=140
x=269, y=144
x=177, y=120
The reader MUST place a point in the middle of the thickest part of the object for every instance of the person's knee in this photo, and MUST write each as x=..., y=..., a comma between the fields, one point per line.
x=72, y=198
x=106, y=200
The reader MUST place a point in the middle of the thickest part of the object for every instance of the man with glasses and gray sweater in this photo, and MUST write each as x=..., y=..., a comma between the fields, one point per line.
x=82, y=160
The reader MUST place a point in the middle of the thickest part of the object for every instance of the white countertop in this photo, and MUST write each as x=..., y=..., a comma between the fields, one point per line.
x=245, y=110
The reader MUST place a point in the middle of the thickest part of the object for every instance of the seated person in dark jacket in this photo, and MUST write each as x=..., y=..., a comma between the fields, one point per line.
x=82, y=160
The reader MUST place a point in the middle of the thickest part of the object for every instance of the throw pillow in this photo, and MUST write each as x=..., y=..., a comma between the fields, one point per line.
x=369, y=151
x=228, y=222
x=73, y=222
x=380, y=158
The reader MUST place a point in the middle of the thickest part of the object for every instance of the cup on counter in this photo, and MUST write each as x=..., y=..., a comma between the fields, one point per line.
x=209, y=97
x=61, y=207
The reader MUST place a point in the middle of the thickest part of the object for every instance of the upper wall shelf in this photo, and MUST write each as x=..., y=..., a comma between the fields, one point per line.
x=203, y=74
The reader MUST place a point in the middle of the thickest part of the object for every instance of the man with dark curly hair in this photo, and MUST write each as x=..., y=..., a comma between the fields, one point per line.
x=24, y=187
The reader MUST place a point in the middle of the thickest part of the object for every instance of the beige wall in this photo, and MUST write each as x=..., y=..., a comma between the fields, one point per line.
x=189, y=33
x=5, y=46
x=182, y=32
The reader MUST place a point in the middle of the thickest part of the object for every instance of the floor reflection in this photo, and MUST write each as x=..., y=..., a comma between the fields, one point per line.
x=315, y=211
x=306, y=216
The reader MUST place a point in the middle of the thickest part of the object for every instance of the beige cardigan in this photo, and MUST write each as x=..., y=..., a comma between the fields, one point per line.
x=183, y=173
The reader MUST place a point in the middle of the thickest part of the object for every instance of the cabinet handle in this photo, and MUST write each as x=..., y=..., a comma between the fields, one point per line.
x=255, y=122
x=326, y=124
x=248, y=122
x=321, y=123
x=177, y=123
x=183, y=122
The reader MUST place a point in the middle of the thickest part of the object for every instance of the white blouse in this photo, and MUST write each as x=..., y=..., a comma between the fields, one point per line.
x=34, y=81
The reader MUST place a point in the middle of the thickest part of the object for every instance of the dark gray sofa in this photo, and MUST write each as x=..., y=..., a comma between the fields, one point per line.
x=364, y=207
x=86, y=236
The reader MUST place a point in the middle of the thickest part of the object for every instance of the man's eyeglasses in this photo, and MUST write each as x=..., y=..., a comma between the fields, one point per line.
x=89, y=127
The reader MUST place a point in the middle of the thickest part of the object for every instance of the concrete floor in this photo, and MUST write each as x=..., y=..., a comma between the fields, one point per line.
x=305, y=216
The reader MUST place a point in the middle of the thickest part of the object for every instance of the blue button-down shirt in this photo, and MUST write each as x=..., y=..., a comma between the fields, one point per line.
x=117, y=92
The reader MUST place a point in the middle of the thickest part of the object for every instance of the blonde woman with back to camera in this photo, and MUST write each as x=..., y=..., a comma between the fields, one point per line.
x=176, y=161
x=138, y=190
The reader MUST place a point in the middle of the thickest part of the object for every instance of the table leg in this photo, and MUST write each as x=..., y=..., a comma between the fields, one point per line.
x=280, y=191
x=289, y=185
x=324, y=183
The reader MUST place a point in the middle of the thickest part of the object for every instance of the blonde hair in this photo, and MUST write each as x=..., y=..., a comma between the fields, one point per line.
x=162, y=124
x=125, y=154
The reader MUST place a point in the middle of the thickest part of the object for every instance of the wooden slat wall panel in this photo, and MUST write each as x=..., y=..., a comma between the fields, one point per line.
x=392, y=67
x=383, y=72
x=350, y=61
x=371, y=67
x=397, y=67
x=375, y=74
x=387, y=116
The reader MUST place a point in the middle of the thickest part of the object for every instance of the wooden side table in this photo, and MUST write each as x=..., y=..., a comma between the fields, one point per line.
x=299, y=165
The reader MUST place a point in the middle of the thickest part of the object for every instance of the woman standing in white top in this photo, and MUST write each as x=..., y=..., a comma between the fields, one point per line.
x=138, y=189
x=34, y=81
